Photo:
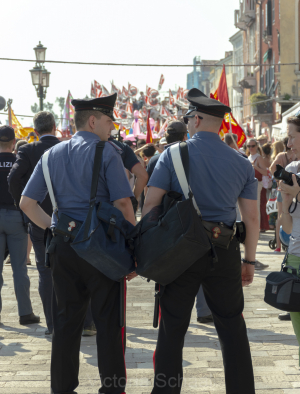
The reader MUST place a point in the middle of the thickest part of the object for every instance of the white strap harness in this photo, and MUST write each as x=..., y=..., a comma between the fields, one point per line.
x=178, y=166
x=48, y=181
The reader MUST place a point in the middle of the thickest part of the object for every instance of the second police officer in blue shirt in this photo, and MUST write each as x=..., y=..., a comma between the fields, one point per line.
x=75, y=281
x=219, y=177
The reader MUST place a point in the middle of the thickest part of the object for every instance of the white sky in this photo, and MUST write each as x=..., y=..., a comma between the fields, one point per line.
x=130, y=31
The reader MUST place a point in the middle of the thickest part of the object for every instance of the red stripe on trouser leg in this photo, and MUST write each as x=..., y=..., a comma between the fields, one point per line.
x=159, y=317
x=123, y=328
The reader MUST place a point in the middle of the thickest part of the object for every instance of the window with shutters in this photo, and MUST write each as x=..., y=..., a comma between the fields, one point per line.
x=269, y=17
x=263, y=21
x=273, y=11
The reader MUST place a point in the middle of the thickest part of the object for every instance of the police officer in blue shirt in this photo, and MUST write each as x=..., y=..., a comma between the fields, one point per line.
x=76, y=281
x=219, y=177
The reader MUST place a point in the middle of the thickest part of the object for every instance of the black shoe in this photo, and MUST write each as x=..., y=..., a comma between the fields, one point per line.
x=284, y=316
x=205, y=319
x=89, y=331
x=48, y=333
x=260, y=266
x=29, y=319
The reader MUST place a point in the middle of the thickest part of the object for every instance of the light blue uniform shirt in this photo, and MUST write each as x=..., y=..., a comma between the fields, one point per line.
x=219, y=175
x=71, y=167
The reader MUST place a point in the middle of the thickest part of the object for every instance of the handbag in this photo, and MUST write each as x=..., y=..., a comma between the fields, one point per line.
x=267, y=180
x=101, y=239
x=171, y=237
x=283, y=289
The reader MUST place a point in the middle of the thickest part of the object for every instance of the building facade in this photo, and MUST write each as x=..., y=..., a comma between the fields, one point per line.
x=270, y=37
x=237, y=41
x=199, y=77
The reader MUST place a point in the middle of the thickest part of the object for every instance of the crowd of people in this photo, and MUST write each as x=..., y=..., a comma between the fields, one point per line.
x=136, y=178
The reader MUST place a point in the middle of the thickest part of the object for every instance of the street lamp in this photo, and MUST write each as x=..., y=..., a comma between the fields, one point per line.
x=39, y=75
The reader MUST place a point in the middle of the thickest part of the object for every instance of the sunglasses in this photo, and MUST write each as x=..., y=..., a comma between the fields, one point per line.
x=251, y=146
x=186, y=119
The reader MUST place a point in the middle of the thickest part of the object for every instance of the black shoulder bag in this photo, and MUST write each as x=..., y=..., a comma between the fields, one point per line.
x=171, y=237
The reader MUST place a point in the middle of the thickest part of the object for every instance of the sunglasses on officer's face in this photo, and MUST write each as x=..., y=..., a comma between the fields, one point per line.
x=251, y=146
x=186, y=119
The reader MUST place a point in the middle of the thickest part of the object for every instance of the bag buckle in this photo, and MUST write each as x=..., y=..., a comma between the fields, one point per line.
x=110, y=231
x=113, y=221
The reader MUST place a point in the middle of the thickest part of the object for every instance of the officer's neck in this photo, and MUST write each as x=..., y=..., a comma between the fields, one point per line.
x=201, y=129
x=6, y=150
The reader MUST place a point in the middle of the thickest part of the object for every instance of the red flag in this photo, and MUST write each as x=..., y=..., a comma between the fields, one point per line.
x=114, y=89
x=229, y=124
x=93, y=93
x=105, y=91
x=171, y=98
x=97, y=85
x=125, y=92
x=149, y=138
x=161, y=81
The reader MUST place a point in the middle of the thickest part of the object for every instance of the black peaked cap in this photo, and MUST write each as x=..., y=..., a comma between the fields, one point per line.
x=200, y=102
x=101, y=104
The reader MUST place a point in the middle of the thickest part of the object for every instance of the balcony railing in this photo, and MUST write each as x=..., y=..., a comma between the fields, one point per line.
x=245, y=15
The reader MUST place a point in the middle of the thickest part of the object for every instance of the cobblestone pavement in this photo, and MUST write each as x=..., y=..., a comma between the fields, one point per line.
x=25, y=352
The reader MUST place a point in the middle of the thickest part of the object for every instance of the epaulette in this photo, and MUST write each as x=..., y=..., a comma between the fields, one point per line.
x=117, y=148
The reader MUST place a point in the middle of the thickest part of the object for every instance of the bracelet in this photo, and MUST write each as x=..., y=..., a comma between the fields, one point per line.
x=248, y=262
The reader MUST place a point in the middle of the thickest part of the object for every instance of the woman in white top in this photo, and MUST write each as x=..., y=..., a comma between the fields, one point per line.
x=290, y=216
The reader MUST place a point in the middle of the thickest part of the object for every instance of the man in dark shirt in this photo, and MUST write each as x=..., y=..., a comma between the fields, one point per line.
x=27, y=158
x=12, y=231
x=132, y=164
x=176, y=131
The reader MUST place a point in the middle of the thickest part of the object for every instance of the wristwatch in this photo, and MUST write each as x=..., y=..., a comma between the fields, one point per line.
x=248, y=262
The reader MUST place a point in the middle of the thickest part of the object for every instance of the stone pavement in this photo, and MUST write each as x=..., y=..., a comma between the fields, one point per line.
x=25, y=352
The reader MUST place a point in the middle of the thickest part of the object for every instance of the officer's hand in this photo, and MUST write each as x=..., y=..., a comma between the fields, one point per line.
x=131, y=276
x=247, y=274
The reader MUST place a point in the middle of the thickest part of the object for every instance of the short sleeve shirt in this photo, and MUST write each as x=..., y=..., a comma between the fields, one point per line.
x=151, y=165
x=127, y=154
x=71, y=167
x=219, y=175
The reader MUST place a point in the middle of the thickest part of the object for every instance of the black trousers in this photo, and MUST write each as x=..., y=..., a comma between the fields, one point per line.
x=45, y=278
x=224, y=295
x=75, y=283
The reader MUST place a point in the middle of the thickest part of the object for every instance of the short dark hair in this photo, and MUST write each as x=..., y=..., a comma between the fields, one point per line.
x=19, y=144
x=174, y=137
x=81, y=117
x=43, y=122
x=140, y=143
x=149, y=151
x=294, y=120
x=267, y=149
x=230, y=137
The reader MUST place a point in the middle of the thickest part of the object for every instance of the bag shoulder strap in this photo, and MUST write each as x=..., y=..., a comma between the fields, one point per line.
x=48, y=181
x=96, y=169
x=181, y=166
x=95, y=179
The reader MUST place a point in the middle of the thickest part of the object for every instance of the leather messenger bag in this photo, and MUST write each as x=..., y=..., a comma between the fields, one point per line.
x=171, y=237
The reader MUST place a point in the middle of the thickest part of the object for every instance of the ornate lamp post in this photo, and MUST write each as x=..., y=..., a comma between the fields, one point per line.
x=39, y=75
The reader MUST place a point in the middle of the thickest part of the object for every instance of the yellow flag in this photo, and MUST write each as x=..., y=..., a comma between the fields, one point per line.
x=19, y=130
